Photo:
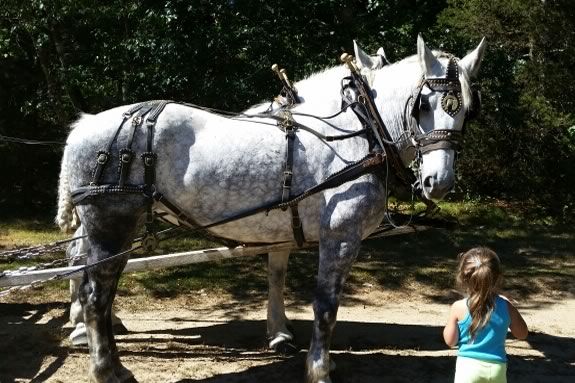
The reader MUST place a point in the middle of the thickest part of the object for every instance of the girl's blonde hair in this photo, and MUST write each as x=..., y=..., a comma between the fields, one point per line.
x=479, y=274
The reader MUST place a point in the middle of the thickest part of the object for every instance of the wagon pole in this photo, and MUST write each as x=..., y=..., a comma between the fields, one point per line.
x=30, y=279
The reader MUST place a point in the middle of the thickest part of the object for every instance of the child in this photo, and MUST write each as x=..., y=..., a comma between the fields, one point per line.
x=479, y=323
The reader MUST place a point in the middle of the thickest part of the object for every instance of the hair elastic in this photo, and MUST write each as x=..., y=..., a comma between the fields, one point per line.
x=477, y=261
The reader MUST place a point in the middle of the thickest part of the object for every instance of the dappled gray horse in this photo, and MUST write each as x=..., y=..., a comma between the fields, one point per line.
x=205, y=168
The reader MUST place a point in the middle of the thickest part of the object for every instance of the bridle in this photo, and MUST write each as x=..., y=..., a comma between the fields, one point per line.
x=451, y=103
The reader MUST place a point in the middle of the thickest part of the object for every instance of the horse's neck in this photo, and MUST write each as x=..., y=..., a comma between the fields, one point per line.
x=321, y=92
x=395, y=85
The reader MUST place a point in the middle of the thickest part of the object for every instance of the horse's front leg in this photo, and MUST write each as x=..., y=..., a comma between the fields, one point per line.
x=280, y=337
x=335, y=260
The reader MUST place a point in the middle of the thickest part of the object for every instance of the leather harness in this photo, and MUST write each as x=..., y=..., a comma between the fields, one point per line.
x=382, y=148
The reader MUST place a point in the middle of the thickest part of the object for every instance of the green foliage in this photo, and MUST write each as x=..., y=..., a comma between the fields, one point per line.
x=59, y=58
x=522, y=147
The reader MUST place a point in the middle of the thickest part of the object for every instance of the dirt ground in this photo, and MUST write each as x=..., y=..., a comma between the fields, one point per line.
x=380, y=337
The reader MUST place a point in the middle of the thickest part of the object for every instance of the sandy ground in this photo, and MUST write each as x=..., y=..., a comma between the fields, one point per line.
x=380, y=337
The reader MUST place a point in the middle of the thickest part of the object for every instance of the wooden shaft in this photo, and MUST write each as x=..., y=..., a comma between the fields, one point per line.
x=347, y=59
x=285, y=78
x=276, y=69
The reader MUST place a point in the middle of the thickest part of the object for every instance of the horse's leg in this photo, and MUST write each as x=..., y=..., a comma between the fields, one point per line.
x=107, y=236
x=280, y=337
x=76, y=249
x=335, y=260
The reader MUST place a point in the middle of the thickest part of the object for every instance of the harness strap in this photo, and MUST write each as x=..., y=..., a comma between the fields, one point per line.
x=102, y=156
x=287, y=125
x=187, y=221
x=149, y=157
x=81, y=193
x=370, y=163
x=440, y=139
x=127, y=154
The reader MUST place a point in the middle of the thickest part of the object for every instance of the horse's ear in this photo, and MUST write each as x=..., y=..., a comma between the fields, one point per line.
x=471, y=62
x=365, y=61
x=381, y=54
x=427, y=59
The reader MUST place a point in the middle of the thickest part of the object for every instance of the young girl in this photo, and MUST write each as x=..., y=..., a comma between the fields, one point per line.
x=478, y=324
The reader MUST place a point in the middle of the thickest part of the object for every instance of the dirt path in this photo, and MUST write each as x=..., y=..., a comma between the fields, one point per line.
x=388, y=338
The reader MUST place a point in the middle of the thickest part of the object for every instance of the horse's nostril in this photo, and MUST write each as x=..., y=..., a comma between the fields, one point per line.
x=427, y=182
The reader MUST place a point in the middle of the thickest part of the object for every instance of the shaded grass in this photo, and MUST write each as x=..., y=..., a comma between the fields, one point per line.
x=537, y=258
x=20, y=233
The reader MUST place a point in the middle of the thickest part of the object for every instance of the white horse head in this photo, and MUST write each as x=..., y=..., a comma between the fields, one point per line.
x=432, y=114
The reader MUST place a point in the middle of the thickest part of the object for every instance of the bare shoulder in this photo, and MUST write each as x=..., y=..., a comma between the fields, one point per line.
x=459, y=309
x=509, y=302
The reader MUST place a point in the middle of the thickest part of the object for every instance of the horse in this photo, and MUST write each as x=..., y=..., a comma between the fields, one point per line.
x=225, y=176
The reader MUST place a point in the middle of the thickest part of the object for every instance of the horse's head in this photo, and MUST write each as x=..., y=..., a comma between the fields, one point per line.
x=443, y=103
x=434, y=113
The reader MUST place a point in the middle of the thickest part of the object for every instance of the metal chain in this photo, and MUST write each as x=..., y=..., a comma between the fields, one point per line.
x=39, y=283
x=36, y=251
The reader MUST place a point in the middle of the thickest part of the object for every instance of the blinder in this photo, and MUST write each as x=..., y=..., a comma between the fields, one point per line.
x=451, y=103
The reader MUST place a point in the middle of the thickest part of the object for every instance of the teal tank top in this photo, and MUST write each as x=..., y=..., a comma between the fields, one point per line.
x=489, y=344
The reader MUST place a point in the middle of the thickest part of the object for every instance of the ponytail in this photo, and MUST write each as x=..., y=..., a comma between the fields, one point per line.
x=480, y=275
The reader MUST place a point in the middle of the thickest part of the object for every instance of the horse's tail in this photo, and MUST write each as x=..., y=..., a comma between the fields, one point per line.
x=66, y=217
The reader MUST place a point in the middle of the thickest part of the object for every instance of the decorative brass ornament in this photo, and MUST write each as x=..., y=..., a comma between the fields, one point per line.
x=450, y=103
x=126, y=157
x=102, y=158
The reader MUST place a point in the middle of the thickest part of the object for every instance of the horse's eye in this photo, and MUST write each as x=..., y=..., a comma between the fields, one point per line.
x=424, y=104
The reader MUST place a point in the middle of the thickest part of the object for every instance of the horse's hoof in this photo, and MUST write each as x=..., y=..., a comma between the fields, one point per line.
x=123, y=374
x=78, y=337
x=285, y=348
x=283, y=344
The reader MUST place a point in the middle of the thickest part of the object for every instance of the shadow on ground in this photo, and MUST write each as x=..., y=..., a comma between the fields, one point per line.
x=27, y=336
x=543, y=255
x=364, y=352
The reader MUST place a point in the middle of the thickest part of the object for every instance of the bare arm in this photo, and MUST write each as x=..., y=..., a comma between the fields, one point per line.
x=518, y=326
x=451, y=330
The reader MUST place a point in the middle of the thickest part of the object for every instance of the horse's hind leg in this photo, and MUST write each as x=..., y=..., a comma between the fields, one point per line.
x=335, y=260
x=77, y=253
x=108, y=235
x=280, y=337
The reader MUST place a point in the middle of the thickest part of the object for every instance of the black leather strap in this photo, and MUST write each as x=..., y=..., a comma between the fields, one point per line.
x=127, y=154
x=149, y=157
x=288, y=126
